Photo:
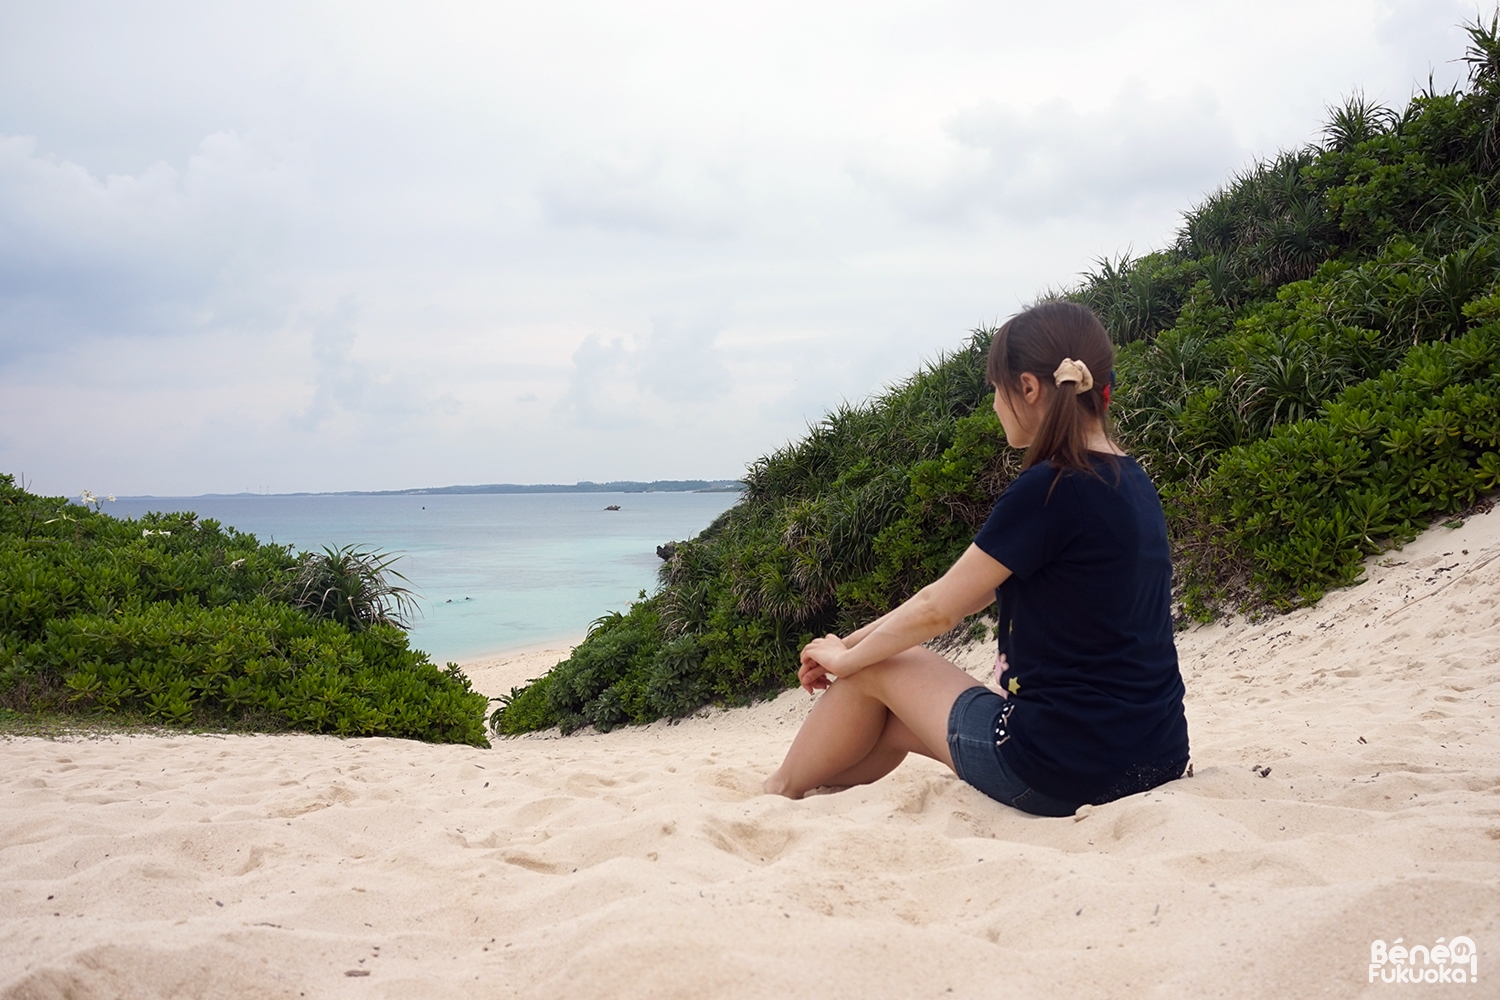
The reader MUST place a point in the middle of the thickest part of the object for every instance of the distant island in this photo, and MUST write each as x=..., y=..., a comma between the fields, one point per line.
x=620, y=486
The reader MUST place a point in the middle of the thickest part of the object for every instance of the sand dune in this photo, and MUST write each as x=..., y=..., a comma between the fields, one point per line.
x=1346, y=788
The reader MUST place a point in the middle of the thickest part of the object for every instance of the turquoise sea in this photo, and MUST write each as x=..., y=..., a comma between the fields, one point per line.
x=496, y=572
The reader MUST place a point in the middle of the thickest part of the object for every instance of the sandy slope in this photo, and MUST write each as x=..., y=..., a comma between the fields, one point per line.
x=643, y=863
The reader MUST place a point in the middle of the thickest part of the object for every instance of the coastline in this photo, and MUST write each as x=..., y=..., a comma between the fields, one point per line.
x=496, y=674
x=494, y=574
x=567, y=643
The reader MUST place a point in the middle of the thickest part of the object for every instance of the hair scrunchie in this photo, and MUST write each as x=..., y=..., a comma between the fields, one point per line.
x=1074, y=371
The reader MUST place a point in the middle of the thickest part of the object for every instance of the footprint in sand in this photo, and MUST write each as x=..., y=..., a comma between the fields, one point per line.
x=741, y=784
x=533, y=864
x=748, y=840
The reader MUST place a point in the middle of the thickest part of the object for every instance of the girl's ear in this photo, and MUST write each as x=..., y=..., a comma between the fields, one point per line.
x=1031, y=388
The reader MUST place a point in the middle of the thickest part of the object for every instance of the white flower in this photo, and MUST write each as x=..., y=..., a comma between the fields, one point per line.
x=87, y=496
x=110, y=498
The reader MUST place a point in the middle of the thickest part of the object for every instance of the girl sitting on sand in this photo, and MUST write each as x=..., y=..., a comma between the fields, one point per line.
x=1075, y=552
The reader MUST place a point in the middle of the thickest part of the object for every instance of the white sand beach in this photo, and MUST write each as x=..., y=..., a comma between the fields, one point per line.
x=1346, y=787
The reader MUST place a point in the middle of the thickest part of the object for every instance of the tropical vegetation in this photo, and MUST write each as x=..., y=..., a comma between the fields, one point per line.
x=1310, y=371
x=172, y=620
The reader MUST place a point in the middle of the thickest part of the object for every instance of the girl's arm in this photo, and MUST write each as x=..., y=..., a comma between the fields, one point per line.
x=967, y=587
x=983, y=601
x=852, y=639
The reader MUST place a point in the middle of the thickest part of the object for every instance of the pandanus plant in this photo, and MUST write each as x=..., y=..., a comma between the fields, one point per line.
x=1357, y=120
x=1134, y=302
x=351, y=586
x=1483, y=59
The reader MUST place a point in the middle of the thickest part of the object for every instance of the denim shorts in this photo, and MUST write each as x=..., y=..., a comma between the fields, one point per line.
x=977, y=759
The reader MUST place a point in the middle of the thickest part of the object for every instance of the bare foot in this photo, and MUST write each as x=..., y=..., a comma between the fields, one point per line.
x=776, y=785
x=829, y=789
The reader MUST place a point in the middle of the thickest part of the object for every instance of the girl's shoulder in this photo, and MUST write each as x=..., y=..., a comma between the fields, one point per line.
x=1046, y=486
x=1110, y=468
x=1036, y=480
x=1112, y=480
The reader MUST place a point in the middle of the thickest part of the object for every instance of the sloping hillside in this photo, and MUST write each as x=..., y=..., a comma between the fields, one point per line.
x=1309, y=372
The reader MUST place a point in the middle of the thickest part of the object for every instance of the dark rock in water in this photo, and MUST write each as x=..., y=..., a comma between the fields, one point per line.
x=666, y=551
x=613, y=506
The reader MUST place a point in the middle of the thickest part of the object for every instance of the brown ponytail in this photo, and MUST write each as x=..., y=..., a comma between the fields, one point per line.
x=1037, y=341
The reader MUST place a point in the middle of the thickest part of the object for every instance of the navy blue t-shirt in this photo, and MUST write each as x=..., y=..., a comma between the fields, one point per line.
x=1086, y=628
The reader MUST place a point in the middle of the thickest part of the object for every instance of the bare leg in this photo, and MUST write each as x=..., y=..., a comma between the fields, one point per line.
x=864, y=725
x=896, y=741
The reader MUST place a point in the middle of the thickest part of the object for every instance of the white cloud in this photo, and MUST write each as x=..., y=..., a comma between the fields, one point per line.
x=1425, y=41
x=162, y=251
x=639, y=193
x=1056, y=161
x=673, y=371
x=346, y=384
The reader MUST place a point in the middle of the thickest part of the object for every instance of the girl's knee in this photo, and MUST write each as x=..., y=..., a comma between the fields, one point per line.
x=893, y=665
x=876, y=677
x=872, y=675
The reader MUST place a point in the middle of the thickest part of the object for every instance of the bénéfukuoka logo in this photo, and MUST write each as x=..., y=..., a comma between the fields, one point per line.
x=1455, y=961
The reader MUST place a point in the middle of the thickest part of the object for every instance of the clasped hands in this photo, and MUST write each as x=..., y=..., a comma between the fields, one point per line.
x=823, y=663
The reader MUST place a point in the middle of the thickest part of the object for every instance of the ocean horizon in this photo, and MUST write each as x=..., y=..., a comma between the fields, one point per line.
x=582, y=486
x=495, y=573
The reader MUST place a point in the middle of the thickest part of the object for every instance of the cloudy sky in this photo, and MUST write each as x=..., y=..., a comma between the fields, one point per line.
x=321, y=246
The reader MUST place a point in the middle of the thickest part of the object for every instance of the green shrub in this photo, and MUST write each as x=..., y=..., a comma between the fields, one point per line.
x=169, y=618
x=1387, y=455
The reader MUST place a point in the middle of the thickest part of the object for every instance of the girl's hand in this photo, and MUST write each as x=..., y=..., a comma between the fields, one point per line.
x=814, y=678
x=821, y=659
